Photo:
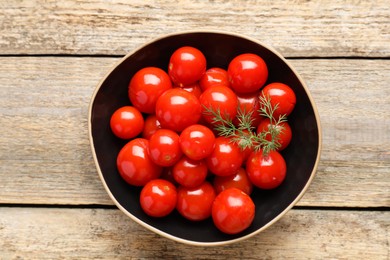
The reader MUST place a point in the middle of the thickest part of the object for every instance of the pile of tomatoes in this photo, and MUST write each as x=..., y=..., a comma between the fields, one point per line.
x=173, y=151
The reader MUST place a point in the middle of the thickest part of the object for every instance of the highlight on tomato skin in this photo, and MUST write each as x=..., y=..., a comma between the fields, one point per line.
x=177, y=109
x=266, y=172
x=186, y=66
x=239, y=180
x=195, y=203
x=164, y=147
x=127, y=122
x=233, y=211
x=158, y=198
x=135, y=165
x=146, y=86
x=247, y=72
x=282, y=96
x=197, y=141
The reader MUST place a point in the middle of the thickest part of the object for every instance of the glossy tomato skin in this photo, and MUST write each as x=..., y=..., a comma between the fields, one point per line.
x=190, y=173
x=214, y=77
x=186, y=66
x=158, y=198
x=226, y=157
x=281, y=95
x=219, y=98
x=284, y=137
x=195, y=203
x=266, y=172
x=151, y=126
x=233, y=211
x=146, y=86
x=177, y=109
x=164, y=147
x=239, y=180
x=135, y=165
x=249, y=103
x=126, y=122
x=197, y=141
x=247, y=72
x=194, y=89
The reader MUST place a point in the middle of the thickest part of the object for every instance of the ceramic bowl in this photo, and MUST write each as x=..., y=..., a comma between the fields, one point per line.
x=302, y=155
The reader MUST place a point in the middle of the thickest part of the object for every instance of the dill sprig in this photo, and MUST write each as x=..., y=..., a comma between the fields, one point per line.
x=243, y=133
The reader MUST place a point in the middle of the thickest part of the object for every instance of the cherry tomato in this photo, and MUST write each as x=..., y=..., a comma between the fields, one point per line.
x=151, y=126
x=249, y=103
x=189, y=173
x=195, y=203
x=285, y=134
x=266, y=172
x=176, y=109
x=247, y=73
x=126, y=122
x=233, y=211
x=158, y=198
x=226, y=157
x=164, y=147
x=194, y=89
x=239, y=180
x=219, y=98
x=146, y=86
x=197, y=142
x=134, y=163
x=214, y=77
x=186, y=66
x=281, y=95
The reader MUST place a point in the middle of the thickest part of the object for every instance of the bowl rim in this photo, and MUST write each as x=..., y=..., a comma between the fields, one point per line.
x=167, y=235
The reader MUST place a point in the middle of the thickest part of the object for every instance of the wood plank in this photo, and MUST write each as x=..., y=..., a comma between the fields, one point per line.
x=42, y=233
x=295, y=28
x=45, y=156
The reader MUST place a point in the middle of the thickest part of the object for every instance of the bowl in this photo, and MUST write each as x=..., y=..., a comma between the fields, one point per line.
x=302, y=155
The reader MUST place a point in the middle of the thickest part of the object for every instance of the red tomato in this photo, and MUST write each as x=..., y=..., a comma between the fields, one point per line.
x=226, y=157
x=158, y=198
x=249, y=103
x=197, y=142
x=239, y=180
x=146, y=86
x=247, y=73
x=214, y=77
x=195, y=203
x=134, y=163
x=176, y=109
x=266, y=172
x=194, y=89
x=284, y=137
x=281, y=95
x=151, y=126
x=233, y=211
x=219, y=98
x=186, y=66
x=189, y=173
x=164, y=147
x=126, y=122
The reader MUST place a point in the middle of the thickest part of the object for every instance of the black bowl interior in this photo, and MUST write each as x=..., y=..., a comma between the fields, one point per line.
x=219, y=49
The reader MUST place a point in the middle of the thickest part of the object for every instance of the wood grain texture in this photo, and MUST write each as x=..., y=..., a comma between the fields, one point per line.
x=42, y=233
x=295, y=27
x=45, y=156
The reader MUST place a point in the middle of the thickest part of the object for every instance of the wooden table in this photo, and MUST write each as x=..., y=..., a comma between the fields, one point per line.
x=54, y=53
